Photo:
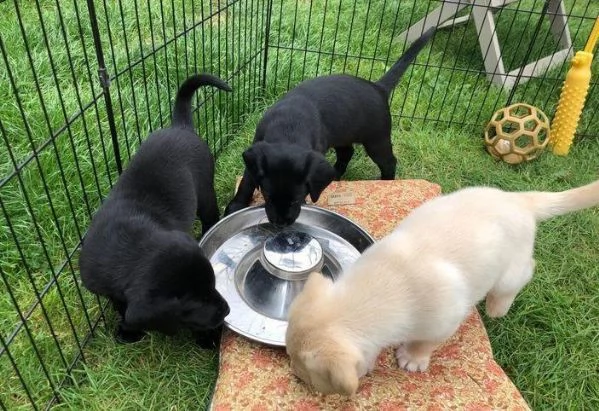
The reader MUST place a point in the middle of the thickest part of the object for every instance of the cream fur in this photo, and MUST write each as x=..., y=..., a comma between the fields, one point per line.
x=416, y=286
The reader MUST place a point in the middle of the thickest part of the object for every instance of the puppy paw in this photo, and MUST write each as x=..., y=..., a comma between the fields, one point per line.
x=371, y=366
x=232, y=207
x=498, y=306
x=126, y=336
x=409, y=362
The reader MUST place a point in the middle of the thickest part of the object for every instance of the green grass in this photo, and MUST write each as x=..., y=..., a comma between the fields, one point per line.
x=548, y=344
x=157, y=373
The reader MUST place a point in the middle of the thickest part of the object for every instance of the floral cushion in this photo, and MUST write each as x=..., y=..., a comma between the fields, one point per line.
x=462, y=373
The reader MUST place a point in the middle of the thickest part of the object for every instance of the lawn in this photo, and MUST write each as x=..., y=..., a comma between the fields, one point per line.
x=548, y=344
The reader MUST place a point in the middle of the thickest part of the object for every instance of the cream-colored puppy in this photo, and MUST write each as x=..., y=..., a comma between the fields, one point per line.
x=415, y=287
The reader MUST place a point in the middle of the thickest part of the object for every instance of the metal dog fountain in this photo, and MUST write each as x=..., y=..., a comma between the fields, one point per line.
x=261, y=268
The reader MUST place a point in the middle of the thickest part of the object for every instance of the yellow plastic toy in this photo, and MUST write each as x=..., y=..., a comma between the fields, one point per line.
x=574, y=92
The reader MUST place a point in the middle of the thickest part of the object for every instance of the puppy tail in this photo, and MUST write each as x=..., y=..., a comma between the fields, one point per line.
x=182, y=106
x=546, y=205
x=392, y=77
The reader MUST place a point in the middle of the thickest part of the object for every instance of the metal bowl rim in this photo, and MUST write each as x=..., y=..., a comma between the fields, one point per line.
x=223, y=220
x=277, y=322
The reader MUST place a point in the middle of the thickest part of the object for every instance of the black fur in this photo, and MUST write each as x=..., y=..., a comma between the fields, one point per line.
x=286, y=160
x=139, y=251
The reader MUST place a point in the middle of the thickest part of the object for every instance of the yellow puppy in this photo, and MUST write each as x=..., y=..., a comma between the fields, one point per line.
x=415, y=287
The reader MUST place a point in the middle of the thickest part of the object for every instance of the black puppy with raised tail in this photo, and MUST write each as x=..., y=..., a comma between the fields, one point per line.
x=139, y=251
x=286, y=158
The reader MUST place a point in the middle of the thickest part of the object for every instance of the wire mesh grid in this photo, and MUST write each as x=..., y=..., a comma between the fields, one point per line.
x=448, y=79
x=82, y=83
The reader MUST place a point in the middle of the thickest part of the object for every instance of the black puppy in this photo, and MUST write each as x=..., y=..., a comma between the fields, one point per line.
x=286, y=158
x=138, y=251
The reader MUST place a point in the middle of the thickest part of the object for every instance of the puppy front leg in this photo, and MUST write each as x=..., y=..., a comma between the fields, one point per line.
x=244, y=194
x=371, y=364
x=208, y=211
x=124, y=333
x=415, y=355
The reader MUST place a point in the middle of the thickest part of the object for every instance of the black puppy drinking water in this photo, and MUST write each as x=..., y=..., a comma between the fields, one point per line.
x=286, y=160
x=138, y=251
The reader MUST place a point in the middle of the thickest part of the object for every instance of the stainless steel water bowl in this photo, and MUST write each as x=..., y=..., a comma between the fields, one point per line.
x=261, y=268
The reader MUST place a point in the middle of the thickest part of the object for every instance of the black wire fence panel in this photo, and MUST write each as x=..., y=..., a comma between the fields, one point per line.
x=82, y=84
x=448, y=84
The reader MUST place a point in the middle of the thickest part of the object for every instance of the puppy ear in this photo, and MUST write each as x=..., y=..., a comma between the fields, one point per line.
x=315, y=286
x=319, y=176
x=253, y=158
x=316, y=282
x=343, y=376
x=339, y=370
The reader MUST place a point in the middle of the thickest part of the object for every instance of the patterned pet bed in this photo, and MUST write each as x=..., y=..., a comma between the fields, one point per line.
x=462, y=374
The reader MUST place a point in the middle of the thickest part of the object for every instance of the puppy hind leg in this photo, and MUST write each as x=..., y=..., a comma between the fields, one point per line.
x=502, y=295
x=344, y=155
x=381, y=153
x=208, y=210
x=415, y=355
